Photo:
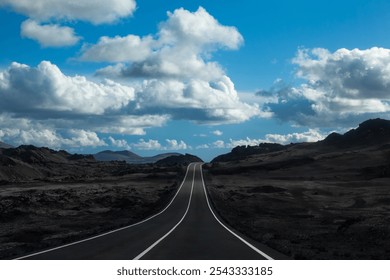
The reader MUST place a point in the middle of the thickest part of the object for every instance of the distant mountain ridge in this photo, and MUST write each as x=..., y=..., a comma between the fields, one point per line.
x=240, y=152
x=116, y=155
x=369, y=133
x=31, y=154
x=29, y=163
x=5, y=145
x=179, y=160
x=130, y=157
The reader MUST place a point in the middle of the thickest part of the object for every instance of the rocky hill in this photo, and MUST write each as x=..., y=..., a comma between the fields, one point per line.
x=130, y=157
x=370, y=132
x=305, y=198
x=28, y=163
x=179, y=160
x=117, y=155
x=34, y=155
x=5, y=145
x=361, y=152
x=241, y=152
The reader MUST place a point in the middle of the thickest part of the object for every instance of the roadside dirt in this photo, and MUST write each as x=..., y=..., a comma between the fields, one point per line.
x=36, y=216
x=307, y=219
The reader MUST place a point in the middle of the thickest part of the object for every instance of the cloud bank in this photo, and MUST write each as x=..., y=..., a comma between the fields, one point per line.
x=341, y=87
x=43, y=106
x=174, y=64
x=44, y=97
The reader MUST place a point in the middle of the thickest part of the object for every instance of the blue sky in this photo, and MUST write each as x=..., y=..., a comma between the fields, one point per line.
x=191, y=76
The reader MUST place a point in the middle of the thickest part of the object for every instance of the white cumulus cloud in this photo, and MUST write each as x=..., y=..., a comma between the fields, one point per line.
x=217, y=132
x=151, y=144
x=119, y=143
x=46, y=88
x=44, y=16
x=175, y=64
x=346, y=79
x=219, y=144
x=95, y=11
x=49, y=35
x=175, y=145
x=23, y=131
x=200, y=101
x=198, y=28
x=244, y=142
x=155, y=78
x=148, y=145
x=179, y=49
x=42, y=105
x=343, y=86
x=80, y=137
x=118, y=49
x=312, y=135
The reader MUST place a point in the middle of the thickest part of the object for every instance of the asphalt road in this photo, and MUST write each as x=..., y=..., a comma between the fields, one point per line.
x=187, y=229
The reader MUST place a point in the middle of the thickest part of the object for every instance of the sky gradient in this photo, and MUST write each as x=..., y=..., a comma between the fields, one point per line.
x=195, y=77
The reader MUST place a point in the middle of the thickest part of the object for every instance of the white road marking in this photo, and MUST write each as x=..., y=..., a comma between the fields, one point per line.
x=169, y=232
x=113, y=231
x=236, y=235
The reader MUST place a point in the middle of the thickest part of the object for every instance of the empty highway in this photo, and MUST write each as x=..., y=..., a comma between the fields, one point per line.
x=187, y=229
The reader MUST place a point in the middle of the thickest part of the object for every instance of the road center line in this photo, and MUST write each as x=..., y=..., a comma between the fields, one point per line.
x=112, y=231
x=236, y=235
x=169, y=232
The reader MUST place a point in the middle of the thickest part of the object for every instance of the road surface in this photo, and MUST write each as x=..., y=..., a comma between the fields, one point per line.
x=187, y=229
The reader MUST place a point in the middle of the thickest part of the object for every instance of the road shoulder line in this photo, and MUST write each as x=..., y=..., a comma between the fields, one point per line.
x=112, y=231
x=229, y=230
x=172, y=229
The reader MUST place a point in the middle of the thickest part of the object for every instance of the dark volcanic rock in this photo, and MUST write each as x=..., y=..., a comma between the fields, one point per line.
x=158, y=157
x=30, y=163
x=179, y=160
x=242, y=152
x=130, y=157
x=89, y=158
x=266, y=189
x=119, y=155
x=5, y=145
x=35, y=155
x=371, y=132
x=32, y=155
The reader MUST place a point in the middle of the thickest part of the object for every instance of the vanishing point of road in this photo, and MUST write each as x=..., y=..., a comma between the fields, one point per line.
x=187, y=229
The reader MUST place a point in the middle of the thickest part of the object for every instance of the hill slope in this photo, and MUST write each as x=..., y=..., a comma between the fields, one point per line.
x=5, y=145
x=369, y=133
x=179, y=160
x=323, y=200
x=119, y=156
x=28, y=162
x=130, y=157
x=241, y=152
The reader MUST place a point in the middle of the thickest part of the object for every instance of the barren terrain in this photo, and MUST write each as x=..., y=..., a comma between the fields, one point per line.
x=36, y=216
x=309, y=200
